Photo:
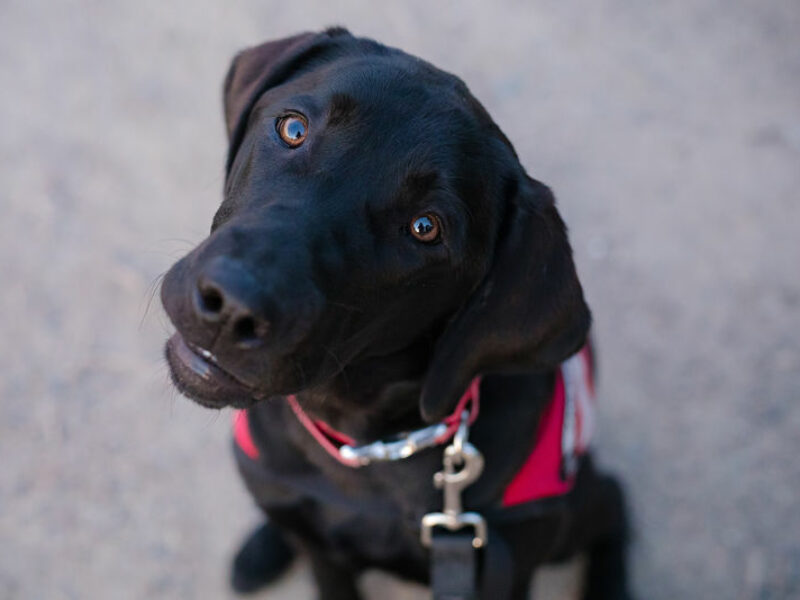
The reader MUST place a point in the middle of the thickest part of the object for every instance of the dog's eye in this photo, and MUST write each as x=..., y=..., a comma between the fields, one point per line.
x=293, y=129
x=425, y=227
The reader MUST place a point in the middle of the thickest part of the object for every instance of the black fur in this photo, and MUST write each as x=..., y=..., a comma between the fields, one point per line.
x=311, y=283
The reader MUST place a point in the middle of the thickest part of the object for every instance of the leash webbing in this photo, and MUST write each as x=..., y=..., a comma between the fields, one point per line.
x=454, y=569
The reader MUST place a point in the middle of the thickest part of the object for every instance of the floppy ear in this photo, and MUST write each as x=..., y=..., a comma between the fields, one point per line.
x=257, y=69
x=528, y=313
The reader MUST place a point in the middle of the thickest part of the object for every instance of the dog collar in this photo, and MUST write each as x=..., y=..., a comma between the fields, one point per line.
x=344, y=449
x=563, y=434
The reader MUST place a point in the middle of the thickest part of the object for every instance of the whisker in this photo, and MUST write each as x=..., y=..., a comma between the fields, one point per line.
x=150, y=293
x=334, y=357
x=299, y=368
x=340, y=364
x=188, y=243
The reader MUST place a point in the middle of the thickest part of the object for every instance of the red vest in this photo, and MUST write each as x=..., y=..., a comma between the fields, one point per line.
x=562, y=436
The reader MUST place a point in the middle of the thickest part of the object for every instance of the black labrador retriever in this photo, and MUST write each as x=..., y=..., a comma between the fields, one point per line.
x=380, y=246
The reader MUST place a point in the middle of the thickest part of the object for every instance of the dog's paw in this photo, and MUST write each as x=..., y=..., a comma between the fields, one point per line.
x=263, y=557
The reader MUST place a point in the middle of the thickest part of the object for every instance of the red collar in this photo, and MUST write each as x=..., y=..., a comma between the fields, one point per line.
x=343, y=448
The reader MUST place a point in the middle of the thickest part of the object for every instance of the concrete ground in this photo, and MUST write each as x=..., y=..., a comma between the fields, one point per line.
x=671, y=134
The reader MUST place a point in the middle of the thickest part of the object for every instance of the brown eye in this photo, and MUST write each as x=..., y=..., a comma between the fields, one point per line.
x=425, y=227
x=293, y=129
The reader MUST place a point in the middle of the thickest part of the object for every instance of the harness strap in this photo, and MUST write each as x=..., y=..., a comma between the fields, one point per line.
x=454, y=569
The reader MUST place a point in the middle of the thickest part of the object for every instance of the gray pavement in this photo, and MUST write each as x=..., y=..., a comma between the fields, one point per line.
x=671, y=134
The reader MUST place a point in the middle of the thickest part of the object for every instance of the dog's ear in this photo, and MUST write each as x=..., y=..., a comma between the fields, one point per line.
x=257, y=69
x=527, y=314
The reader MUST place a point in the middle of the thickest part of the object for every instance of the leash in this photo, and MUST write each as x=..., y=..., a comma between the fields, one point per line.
x=454, y=555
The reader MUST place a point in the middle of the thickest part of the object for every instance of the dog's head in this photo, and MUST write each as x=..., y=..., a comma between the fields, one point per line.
x=373, y=215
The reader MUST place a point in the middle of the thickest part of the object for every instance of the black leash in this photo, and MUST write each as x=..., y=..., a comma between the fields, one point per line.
x=457, y=538
x=460, y=572
x=454, y=567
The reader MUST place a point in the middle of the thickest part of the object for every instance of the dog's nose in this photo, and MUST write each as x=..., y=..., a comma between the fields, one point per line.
x=226, y=296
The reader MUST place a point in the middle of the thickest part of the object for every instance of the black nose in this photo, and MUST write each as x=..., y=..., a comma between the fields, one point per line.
x=227, y=297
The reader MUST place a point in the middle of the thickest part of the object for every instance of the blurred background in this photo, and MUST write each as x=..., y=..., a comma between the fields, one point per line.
x=670, y=132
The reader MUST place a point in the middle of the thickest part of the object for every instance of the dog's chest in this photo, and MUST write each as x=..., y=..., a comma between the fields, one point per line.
x=530, y=436
x=372, y=514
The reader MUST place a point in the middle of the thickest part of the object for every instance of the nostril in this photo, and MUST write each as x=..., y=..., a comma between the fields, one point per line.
x=247, y=331
x=245, y=328
x=211, y=300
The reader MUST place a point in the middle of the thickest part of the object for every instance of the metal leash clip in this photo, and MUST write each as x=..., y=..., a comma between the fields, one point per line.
x=463, y=464
x=403, y=448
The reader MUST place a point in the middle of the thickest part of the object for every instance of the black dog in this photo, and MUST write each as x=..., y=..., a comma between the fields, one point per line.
x=378, y=247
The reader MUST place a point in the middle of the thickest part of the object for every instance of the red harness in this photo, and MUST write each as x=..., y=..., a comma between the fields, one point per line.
x=562, y=436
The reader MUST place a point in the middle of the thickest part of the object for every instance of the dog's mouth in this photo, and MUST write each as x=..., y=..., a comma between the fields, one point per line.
x=196, y=373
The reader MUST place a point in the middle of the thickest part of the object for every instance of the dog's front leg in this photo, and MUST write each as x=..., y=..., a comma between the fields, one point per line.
x=334, y=580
